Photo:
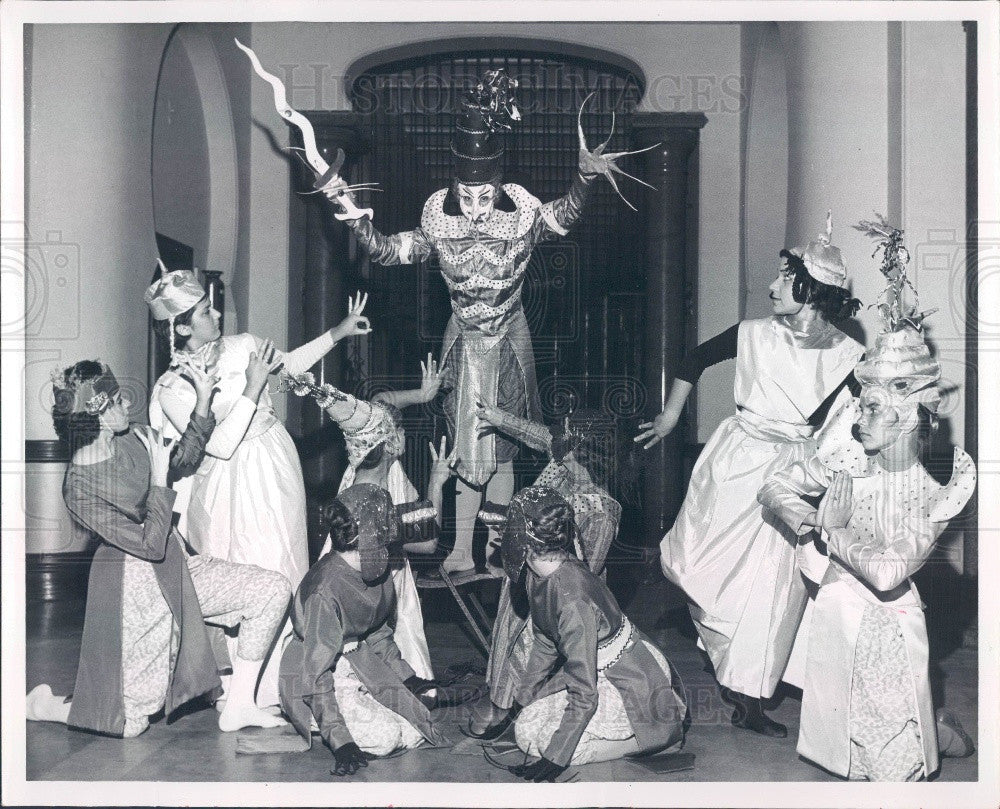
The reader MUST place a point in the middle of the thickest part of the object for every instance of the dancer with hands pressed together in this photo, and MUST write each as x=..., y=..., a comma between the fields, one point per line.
x=246, y=502
x=867, y=711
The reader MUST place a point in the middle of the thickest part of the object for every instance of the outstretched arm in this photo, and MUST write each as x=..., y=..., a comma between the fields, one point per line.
x=430, y=384
x=306, y=356
x=408, y=247
x=557, y=217
x=531, y=433
x=719, y=348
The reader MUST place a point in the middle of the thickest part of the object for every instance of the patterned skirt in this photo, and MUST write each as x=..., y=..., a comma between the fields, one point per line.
x=374, y=728
x=885, y=734
x=538, y=722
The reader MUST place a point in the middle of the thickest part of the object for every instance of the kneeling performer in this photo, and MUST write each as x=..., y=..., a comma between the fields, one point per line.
x=144, y=643
x=342, y=666
x=595, y=687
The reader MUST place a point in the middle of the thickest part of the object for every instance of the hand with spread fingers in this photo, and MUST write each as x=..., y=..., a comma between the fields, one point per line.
x=837, y=505
x=656, y=430
x=203, y=382
x=349, y=759
x=355, y=323
x=596, y=162
x=442, y=462
x=540, y=771
x=430, y=378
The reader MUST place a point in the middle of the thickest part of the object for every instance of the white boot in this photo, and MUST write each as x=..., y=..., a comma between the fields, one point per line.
x=41, y=705
x=240, y=710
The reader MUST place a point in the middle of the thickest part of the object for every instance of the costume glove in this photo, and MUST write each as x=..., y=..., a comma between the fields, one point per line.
x=541, y=770
x=349, y=758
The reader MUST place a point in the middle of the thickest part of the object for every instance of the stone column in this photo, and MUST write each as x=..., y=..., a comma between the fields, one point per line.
x=671, y=214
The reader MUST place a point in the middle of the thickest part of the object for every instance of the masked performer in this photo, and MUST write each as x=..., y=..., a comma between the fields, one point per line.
x=342, y=667
x=595, y=688
x=144, y=642
x=576, y=460
x=247, y=500
x=483, y=232
x=866, y=702
x=738, y=569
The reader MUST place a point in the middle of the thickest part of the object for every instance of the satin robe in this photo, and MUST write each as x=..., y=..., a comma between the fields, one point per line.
x=574, y=614
x=335, y=612
x=736, y=565
x=484, y=268
x=897, y=518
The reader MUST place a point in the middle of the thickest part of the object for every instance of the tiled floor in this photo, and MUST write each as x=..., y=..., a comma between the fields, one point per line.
x=191, y=748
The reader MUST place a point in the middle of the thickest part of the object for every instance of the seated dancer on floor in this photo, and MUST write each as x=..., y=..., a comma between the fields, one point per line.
x=376, y=440
x=867, y=712
x=576, y=459
x=595, y=688
x=144, y=643
x=342, y=667
x=737, y=568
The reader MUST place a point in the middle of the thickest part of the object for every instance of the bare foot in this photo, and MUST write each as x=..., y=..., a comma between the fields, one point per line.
x=250, y=716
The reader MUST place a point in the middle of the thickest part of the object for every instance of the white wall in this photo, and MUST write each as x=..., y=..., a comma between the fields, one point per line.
x=687, y=67
x=933, y=192
x=89, y=198
x=875, y=127
x=90, y=224
x=90, y=212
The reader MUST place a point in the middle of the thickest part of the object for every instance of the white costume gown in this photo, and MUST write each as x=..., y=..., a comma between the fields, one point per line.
x=247, y=502
x=738, y=567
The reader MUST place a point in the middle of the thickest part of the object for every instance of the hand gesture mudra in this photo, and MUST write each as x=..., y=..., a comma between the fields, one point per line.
x=355, y=323
x=442, y=462
x=263, y=362
x=837, y=505
x=430, y=378
x=202, y=380
x=159, y=450
x=596, y=162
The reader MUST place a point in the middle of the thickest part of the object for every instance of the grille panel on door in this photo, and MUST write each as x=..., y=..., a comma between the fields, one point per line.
x=582, y=294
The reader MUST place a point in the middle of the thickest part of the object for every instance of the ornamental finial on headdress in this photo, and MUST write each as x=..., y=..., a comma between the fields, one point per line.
x=900, y=361
x=493, y=98
x=893, y=306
